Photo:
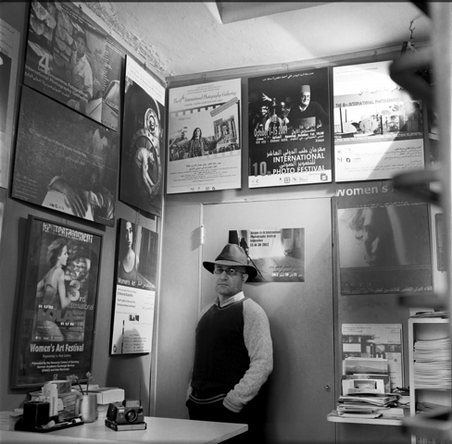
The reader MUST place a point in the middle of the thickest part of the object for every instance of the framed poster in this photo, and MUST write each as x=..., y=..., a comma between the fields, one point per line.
x=141, y=183
x=383, y=240
x=204, y=149
x=378, y=128
x=73, y=60
x=65, y=161
x=136, y=274
x=278, y=253
x=58, y=300
x=9, y=58
x=289, y=129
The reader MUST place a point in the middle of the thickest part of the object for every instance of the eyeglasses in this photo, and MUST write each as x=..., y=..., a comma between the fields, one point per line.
x=229, y=271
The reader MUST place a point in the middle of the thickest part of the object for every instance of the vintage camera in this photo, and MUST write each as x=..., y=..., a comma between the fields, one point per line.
x=126, y=412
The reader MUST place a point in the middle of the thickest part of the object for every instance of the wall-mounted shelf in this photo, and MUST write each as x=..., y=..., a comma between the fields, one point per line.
x=334, y=417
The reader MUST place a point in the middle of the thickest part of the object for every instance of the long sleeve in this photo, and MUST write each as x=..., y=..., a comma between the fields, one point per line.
x=258, y=341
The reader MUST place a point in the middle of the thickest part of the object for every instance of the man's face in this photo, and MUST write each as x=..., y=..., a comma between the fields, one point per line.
x=227, y=284
x=81, y=46
x=305, y=98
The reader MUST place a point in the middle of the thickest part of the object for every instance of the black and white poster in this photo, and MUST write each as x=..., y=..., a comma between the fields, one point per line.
x=378, y=128
x=74, y=61
x=383, y=241
x=289, y=129
x=141, y=183
x=65, y=161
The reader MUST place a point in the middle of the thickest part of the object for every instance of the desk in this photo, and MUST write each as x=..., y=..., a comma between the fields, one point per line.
x=159, y=431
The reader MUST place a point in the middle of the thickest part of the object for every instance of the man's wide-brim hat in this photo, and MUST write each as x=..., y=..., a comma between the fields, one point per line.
x=232, y=255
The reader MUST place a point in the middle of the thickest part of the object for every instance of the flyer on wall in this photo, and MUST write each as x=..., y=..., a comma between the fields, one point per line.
x=141, y=183
x=70, y=166
x=378, y=128
x=9, y=53
x=55, y=324
x=289, y=129
x=382, y=341
x=204, y=148
x=278, y=253
x=136, y=274
x=380, y=249
x=71, y=59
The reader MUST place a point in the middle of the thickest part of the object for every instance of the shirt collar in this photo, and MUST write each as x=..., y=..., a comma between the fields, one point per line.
x=237, y=297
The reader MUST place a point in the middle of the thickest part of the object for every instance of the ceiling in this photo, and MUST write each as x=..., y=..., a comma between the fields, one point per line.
x=182, y=38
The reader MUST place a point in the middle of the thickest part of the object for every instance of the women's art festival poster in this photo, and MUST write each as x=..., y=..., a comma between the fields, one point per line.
x=289, y=129
x=204, y=150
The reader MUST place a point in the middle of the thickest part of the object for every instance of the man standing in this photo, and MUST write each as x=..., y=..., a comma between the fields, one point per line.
x=82, y=74
x=234, y=351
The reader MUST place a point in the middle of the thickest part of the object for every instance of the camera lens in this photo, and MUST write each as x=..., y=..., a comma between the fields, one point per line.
x=131, y=416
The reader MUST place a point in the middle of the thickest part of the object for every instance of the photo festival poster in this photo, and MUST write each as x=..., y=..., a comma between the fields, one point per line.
x=136, y=277
x=65, y=161
x=55, y=324
x=204, y=147
x=9, y=59
x=278, y=254
x=71, y=59
x=141, y=180
x=289, y=132
x=378, y=128
x=384, y=242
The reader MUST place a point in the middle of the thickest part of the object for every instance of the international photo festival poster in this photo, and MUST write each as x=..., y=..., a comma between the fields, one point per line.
x=277, y=253
x=384, y=241
x=55, y=323
x=9, y=54
x=71, y=59
x=65, y=161
x=289, y=132
x=141, y=180
x=136, y=277
x=378, y=127
x=204, y=146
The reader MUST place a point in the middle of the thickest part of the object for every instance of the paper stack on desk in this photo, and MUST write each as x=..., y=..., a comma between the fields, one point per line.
x=365, y=405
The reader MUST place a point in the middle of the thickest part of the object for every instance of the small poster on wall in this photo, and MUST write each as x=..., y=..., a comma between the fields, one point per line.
x=9, y=58
x=378, y=128
x=55, y=322
x=380, y=249
x=141, y=183
x=204, y=149
x=71, y=59
x=136, y=274
x=65, y=161
x=289, y=129
x=277, y=253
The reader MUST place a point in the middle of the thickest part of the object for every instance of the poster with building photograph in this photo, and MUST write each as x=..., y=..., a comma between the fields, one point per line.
x=277, y=253
x=289, y=129
x=55, y=322
x=204, y=148
x=141, y=183
x=383, y=240
x=9, y=53
x=65, y=161
x=71, y=59
x=378, y=128
x=136, y=277
x=374, y=341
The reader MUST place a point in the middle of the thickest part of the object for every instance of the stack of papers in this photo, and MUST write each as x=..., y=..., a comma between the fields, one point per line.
x=365, y=405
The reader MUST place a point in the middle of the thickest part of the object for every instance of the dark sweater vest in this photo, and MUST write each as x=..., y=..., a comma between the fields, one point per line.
x=221, y=358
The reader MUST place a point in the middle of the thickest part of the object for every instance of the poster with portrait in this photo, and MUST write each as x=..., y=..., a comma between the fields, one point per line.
x=383, y=240
x=204, y=147
x=136, y=277
x=289, y=129
x=378, y=127
x=277, y=253
x=9, y=54
x=58, y=301
x=141, y=182
x=73, y=60
x=65, y=161
x=383, y=341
